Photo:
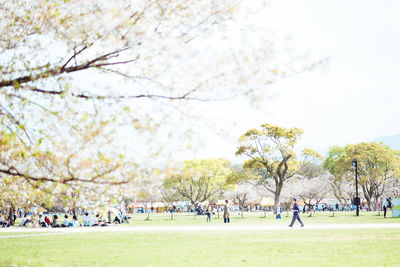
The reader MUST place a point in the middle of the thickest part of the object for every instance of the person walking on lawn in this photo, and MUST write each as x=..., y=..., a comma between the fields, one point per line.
x=296, y=214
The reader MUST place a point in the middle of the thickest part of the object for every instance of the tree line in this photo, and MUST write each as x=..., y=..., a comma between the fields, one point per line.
x=273, y=168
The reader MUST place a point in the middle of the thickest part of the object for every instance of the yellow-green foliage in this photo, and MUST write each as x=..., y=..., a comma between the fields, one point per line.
x=271, y=156
x=200, y=179
x=271, y=147
x=376, y=162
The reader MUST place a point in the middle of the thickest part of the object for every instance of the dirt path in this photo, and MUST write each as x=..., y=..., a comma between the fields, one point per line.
x=226, y=227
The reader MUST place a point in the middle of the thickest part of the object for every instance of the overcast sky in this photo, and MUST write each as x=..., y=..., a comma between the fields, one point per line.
x=353, y=98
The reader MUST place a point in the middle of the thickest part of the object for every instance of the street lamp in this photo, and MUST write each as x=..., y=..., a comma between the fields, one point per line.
x=356, y=199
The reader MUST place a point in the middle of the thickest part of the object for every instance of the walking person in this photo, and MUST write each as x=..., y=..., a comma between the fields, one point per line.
x=296, y=214
x=226, y=212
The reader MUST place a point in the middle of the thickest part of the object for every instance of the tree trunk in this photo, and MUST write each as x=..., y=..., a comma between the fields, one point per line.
x=376, y=204
x=379, y=208
x=11, y=214
x=369, y=203
x=368, y=196
x=73, y=208
x=276, y=200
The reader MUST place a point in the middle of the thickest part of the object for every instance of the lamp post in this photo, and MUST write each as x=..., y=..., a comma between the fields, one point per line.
x=356, y=199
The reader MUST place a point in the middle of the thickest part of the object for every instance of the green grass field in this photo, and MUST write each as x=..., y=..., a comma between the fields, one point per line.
x=260, y=218
x=292, y=247
x=275, y=248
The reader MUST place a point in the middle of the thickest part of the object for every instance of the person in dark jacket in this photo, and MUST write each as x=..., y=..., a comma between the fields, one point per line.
x=296, y=214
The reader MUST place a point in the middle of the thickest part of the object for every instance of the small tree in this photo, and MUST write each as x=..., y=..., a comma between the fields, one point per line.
x=168, y=197
x=243, y=189
x=243, y=193
x=313, y=190
x=342, y=189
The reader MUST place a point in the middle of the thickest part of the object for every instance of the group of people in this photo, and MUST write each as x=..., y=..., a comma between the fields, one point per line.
x=44, y=221
x=226, y=209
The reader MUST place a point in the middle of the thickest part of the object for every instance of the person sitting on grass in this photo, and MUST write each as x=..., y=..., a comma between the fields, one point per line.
x=55, y=221
x=94, y=220
x=1, y=221
x=117, y=220
x=65, y=222
x=4, y=222
x=42, y=223
x=99, y=222
x=74, y=222
x=25, y=220
x=47, y=221
x=7, y=221
x=87, y=220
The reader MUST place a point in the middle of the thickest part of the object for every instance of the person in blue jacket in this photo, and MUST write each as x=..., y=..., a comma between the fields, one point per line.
x=296, y=214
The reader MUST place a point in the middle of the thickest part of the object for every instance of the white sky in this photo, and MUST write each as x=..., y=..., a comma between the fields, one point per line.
x=354, y=98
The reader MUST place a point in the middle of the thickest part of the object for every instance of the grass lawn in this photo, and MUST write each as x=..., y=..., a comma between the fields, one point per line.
x=258, y=218
x=295, y=247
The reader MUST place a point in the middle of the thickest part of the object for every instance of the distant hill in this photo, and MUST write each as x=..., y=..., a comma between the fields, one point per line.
x=393, y=141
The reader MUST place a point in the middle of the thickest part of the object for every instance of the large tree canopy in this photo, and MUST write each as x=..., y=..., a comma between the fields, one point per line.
x=68, y=65
x=377, y=164
x=271, y=154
